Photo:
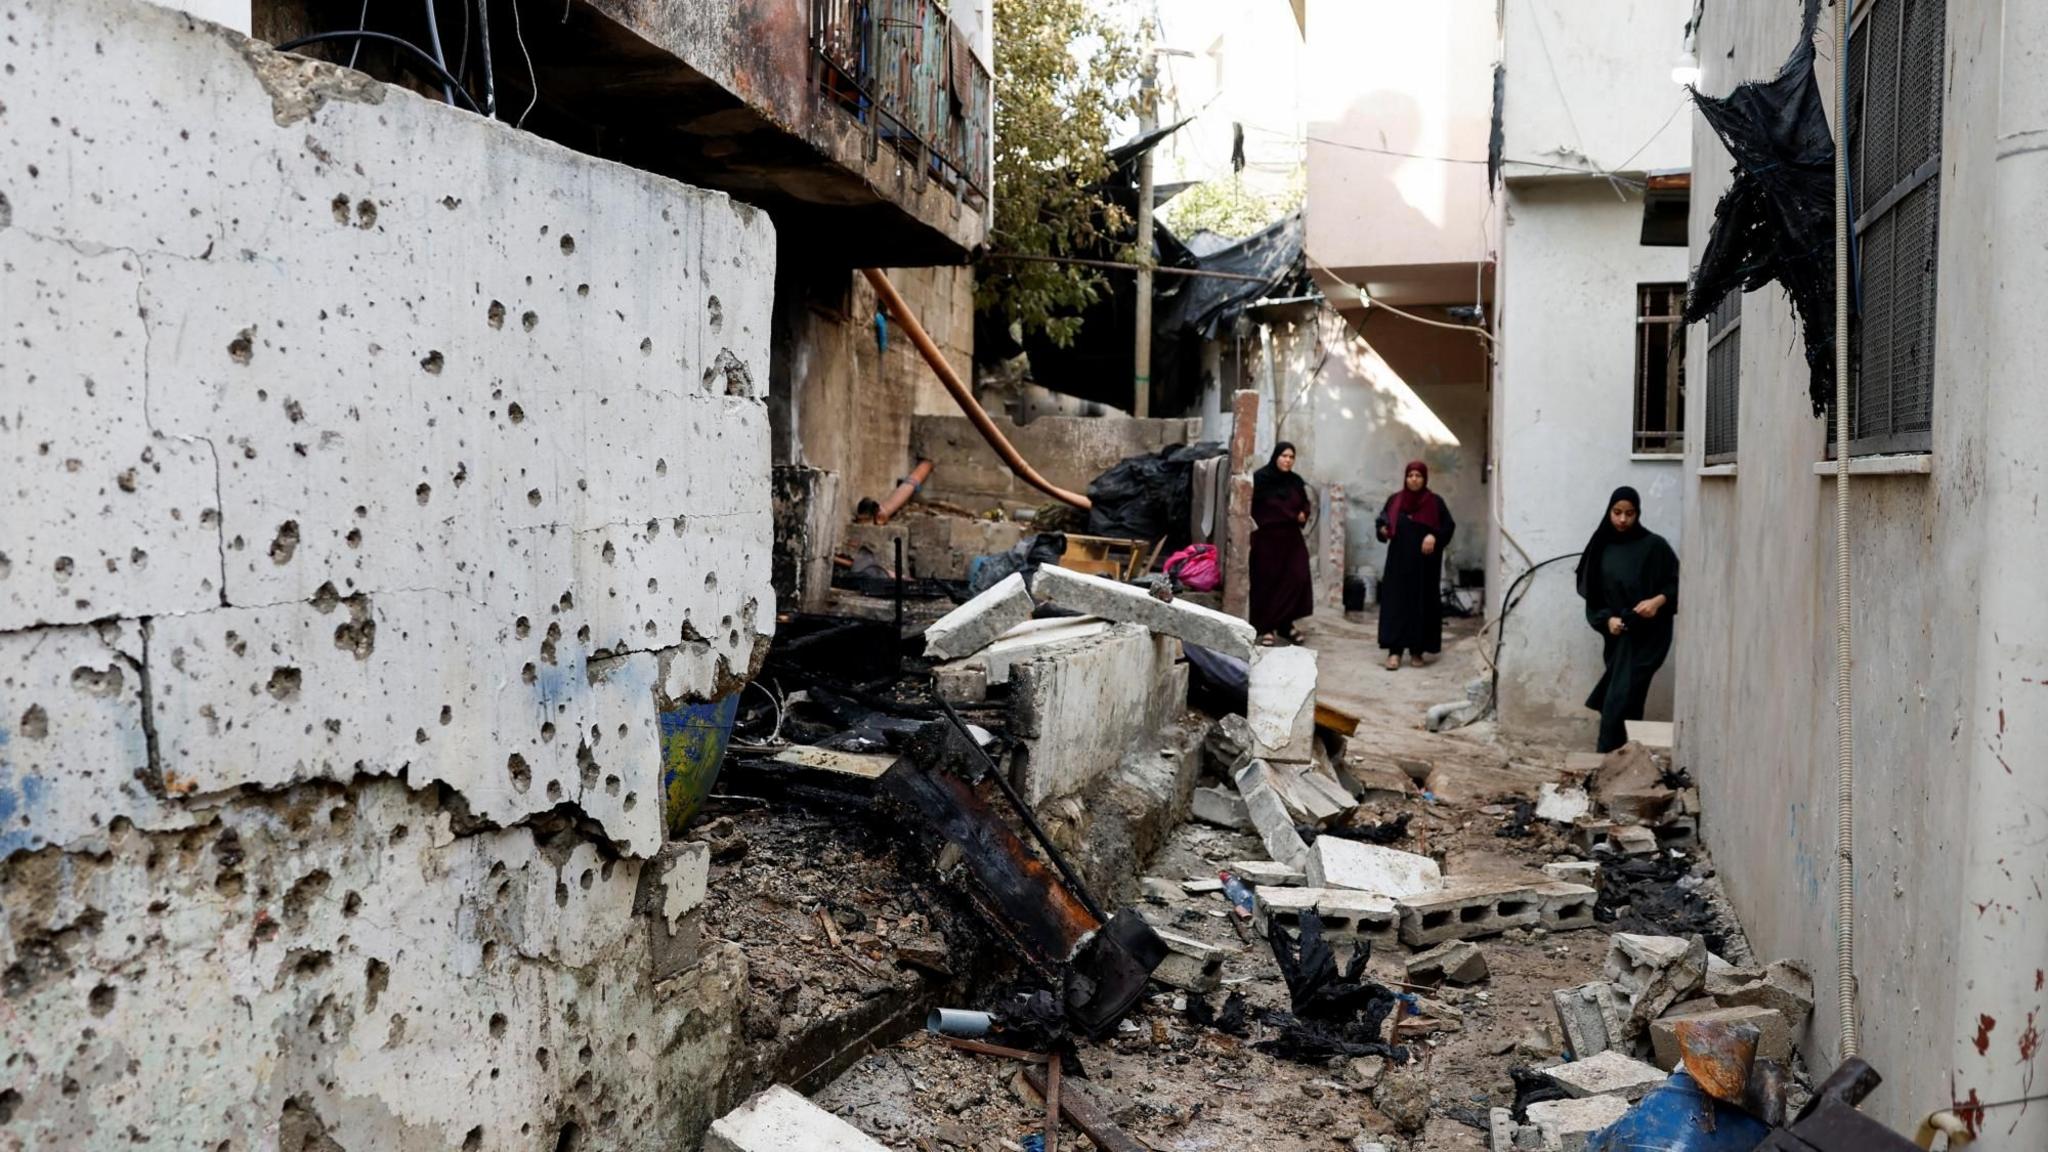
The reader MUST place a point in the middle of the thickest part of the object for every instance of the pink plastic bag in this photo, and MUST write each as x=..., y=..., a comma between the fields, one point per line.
x=1194, y=567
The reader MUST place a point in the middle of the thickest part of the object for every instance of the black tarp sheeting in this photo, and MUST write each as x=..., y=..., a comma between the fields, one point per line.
x=1777, y=220
x=1146, y=497
x=1099, y=364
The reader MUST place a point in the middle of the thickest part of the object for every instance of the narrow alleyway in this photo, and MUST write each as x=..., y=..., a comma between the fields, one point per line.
x=1173, y=1083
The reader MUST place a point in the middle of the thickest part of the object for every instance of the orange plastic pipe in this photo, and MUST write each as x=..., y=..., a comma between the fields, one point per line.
x=900, y=312
x=904, y=491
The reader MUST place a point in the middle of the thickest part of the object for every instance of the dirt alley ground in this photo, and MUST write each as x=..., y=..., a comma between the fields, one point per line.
x=1176, y=1086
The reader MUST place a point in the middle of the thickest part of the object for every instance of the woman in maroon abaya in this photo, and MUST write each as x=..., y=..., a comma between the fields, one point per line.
x=1416, y=526
x=1280, y=584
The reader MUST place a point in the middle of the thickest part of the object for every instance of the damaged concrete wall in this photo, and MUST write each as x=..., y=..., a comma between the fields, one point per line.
x=1068, y=451
x=843, y=402
x=376, y=475
x=1949, y=660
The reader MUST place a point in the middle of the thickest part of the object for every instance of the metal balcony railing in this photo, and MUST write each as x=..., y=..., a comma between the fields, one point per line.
x=901, y=68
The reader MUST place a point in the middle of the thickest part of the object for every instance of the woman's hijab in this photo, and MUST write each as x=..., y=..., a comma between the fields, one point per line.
x=1605, y=534
x=1419, y=505
x=1273, y=480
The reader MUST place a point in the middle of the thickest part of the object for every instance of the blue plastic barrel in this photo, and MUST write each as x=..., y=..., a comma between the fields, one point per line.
x=1677, y=1117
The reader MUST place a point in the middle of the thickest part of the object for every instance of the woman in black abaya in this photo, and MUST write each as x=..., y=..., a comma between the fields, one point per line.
x=1281, y=593
x=1417, y=526
x=1628, y=577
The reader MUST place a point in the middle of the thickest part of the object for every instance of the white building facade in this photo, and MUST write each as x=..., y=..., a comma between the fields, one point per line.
x=1589, y=363
x=1950, y=671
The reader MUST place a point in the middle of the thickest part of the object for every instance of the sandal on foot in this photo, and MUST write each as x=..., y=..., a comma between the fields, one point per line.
x=1394, y=663
x=1269, y=641
x=1418, y=660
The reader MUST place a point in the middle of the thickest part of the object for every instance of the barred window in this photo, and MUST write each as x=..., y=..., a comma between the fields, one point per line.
x=1724, y=379
x=1895, y=98
x=1660, y=370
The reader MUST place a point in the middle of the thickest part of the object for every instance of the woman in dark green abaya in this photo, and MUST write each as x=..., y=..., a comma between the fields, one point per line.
x=1628, y=576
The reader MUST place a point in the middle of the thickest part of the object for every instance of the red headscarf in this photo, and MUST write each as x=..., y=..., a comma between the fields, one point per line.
x=1420, y=506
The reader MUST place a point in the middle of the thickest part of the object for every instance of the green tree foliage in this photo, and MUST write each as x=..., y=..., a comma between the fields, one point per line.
x=1228, y=207
x=1065, y=72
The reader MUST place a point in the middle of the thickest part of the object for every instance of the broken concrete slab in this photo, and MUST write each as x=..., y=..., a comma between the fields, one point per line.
x=1655, y=974
x=1028, y=640
x=1328, y=788
x=1566, y=1124
x=981, y=621
x=1786, y=987
x=1227, y=746
x=1632, y=840
x=1080, y=708
x=962, y=682
x=779, y=1119
x=1774, y=1033
x=1573, y=871
x=1159, y=890
x=1562, y=805
x=1191, y=965
x=1276, y=827
x=1334, y=862
x=1455, y=961
x=1266, y=874
x=1592, y=1017
x=1221, y=808
x=1201, y=886
x=1609, y=1073
x=1303, y=804
x=1281, y=703
x=1468, y=909
x=1634, y=961
x=1130, y=604
x=1500, y=1130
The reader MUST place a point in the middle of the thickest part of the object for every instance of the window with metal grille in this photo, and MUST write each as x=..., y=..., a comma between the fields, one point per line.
x=1895, y=96
x=1660, y=369
x=1724, y=379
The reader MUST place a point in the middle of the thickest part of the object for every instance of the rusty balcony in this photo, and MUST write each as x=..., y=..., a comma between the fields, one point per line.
x=863, y=127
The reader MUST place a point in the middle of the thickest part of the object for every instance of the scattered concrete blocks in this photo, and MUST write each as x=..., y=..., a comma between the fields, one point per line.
x=1786, y=988
x=1455, y=961
x=1345, y=915
x=1574, y=871
x=1500, y=1125
x=1566, y=1124
x=1266, y=874
x=1566, y=907
x=1130, y=604
x=1191, y=965
x=1304, y=803
x=1281, y=703
x=1562, y=805
x=1592, y=1017
x=1338, y=863
x=1774, y=1034
x=1276, y=828
x=1221, y=808
x=1464, y=911
x=779, y=1119
x=981, y=621
x=1656, y=972
x=1609, y=1073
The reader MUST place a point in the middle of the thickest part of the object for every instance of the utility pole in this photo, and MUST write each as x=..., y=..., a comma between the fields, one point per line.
x=1141, y=351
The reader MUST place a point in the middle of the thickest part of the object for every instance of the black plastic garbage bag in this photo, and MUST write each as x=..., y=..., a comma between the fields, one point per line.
x=1777, y=219
x=1147, y=497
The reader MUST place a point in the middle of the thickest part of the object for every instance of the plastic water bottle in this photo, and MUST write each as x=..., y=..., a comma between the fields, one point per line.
x=1240, y=895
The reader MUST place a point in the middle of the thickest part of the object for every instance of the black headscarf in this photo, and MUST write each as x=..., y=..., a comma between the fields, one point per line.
x=1605, y=534
x=1272, y=480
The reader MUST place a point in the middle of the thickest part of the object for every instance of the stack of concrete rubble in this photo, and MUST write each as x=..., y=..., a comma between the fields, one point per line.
x=1623, y=803
x=1652, y=986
